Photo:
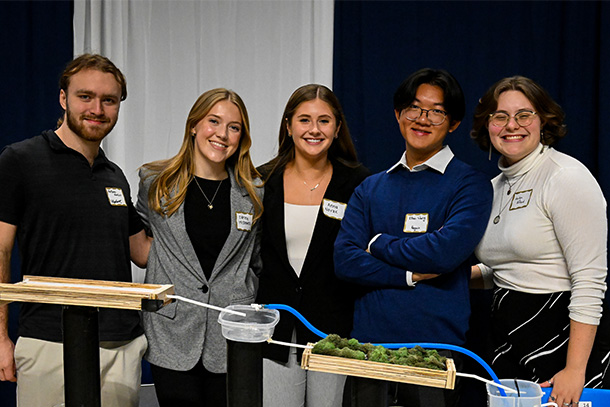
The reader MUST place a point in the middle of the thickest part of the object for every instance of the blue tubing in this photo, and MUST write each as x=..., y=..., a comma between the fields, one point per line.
x=299, y=316
x=397, y=345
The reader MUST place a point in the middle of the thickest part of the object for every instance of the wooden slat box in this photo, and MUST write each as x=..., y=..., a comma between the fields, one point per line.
x=381, y=371
x=89, y=293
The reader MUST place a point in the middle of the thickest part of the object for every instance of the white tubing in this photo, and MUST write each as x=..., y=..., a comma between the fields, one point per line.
x=203, y=304
x=292, y=345
x=507, y=389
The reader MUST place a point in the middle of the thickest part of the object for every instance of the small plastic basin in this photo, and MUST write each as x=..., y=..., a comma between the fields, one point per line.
x=256, y=326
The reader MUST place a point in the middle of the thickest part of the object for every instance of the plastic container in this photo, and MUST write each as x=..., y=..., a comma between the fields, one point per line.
x=530, y=395
x=588, y=398
x=256, y=326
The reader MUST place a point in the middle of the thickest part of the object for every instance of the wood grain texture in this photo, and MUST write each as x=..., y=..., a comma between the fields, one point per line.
x=382, y=371
x=89, y=293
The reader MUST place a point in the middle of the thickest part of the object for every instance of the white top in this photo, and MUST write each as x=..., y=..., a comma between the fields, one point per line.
x=552, y=231
x=299, y=221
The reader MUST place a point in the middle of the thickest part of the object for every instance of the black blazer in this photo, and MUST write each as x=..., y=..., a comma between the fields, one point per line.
x=326, y=302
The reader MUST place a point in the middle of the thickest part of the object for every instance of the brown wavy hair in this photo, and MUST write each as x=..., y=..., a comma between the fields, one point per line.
x=172, y=176
x=342, y=149
x=550, y=113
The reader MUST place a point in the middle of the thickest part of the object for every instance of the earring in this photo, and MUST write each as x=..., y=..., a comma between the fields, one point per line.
x=489, y=152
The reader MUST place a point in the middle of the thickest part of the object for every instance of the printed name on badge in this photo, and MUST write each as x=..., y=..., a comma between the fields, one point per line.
x=244, y=221
x=116, y=197
x=520, y=200
x=416, y=223
x=333, y=209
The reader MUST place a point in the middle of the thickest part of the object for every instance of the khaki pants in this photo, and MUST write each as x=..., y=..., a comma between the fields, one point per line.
x=40, y=374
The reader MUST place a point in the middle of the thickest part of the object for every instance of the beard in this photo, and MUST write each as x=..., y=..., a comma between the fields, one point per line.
x=76, y=124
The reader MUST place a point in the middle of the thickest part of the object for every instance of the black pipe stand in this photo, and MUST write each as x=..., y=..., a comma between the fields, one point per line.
x=81, y=356
x=368, y=392
x=244, y=374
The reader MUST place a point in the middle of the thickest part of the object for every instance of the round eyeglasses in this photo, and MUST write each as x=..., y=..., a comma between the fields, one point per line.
x=435, y=116
x=523, y=118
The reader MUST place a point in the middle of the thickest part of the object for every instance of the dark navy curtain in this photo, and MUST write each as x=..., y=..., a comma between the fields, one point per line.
x=564, y=46
x=36, y=44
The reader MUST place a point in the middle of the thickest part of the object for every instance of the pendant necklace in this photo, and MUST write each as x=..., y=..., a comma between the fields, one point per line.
x=510, y=186
x=510, y=189
x=210, y=206
x=317, y=184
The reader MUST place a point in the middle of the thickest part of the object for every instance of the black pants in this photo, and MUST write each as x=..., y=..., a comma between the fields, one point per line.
x=196, y=387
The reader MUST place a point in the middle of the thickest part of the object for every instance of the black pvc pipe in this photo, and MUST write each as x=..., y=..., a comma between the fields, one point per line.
x=244, y=374
x=81, y=356
x=368, y=392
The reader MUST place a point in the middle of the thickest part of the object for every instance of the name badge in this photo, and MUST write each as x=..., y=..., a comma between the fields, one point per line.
x=244, y=221
x=520, y=200
x=116, y=197
x=334, y=210
x=416, y=223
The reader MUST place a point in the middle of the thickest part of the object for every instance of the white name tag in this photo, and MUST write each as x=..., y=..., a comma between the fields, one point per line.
x=334, y=210
x=244, y=221
x=416, y=223
x=521, y=199
x=116, y=197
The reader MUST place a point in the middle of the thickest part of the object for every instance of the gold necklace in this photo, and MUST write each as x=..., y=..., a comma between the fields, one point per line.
x=210, y=206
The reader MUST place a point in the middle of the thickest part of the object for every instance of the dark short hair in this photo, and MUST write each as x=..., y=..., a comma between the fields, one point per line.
x=550, y=113
x=92, y=61
x=452, y=91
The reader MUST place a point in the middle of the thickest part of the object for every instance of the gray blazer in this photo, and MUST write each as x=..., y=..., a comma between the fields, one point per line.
x=180, y=334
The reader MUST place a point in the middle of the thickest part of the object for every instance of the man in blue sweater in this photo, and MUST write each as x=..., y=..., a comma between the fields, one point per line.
x=408, y=232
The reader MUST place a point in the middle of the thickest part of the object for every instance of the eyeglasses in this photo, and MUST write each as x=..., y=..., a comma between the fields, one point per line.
x=523, y=118
x=435, y=116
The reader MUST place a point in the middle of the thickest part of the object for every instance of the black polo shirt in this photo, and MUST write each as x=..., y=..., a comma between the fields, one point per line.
x=73, y=220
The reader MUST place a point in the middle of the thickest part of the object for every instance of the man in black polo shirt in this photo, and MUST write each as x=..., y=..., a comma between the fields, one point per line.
x=71, y=211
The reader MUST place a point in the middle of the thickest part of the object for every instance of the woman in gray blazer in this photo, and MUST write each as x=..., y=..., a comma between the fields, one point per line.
x=201, y=207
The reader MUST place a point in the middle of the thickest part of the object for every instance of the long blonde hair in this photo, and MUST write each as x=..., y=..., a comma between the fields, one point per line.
x=172, y=176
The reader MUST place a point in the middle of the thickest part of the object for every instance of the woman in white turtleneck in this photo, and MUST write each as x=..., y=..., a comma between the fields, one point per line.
x=545, y=245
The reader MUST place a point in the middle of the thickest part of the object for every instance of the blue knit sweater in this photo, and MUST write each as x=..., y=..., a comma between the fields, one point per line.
x=430, y=223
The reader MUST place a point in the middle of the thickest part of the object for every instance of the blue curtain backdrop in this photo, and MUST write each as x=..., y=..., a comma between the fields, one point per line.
x=36, y=45
x=564, y=46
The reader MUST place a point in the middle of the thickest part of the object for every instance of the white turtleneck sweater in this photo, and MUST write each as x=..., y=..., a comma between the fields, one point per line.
x=552, y=231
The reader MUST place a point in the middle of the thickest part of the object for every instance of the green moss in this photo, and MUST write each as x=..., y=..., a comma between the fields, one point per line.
x=334, y=345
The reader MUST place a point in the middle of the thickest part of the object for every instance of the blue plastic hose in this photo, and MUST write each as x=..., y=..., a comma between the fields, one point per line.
x=396, y=345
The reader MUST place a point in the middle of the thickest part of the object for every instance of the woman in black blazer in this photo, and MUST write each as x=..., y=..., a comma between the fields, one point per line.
x=307, y=187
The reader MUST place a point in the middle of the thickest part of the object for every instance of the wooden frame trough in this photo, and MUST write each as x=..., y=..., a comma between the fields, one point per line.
x=382, y=371
x=88, y=293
